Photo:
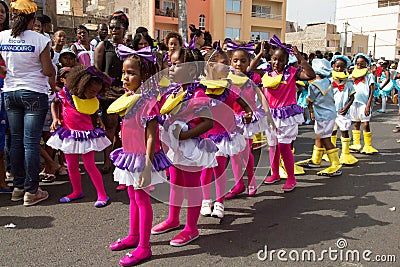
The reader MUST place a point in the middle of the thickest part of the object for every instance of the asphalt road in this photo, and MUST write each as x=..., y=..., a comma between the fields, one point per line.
x=356, y=206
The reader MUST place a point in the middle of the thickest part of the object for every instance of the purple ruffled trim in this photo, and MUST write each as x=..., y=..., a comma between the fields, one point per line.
x=206, y=144
x=64, y=133
x=135, y=162
x=257, y=115
x=286, y=112
x=220, y=98
x=217, y=138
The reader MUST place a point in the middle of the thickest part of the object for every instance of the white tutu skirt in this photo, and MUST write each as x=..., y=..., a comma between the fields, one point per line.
x=78, y=142
x=257, y=125
x=128, y=178
x=229, y=144
x=196, y=152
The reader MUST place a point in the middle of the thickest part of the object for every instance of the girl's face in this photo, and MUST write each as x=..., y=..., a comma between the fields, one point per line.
x=339, y=66
x=219, y=69
x=173, y=45
x=240, y=61
x=279, y=60
x=68, y=61
x=361, y=63
x=59, y=38
x=117, y=30
x=131, y=76
x=180, y=72
x=3, y=14
x=143, y=43
x=93, y=88
x=37, y=27
x=200, y=40
x=82, y=35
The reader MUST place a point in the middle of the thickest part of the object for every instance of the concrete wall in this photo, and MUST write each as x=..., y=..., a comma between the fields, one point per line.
x=366, y=16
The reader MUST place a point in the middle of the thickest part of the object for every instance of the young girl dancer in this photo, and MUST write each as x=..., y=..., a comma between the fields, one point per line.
x=185, y=108
x=343, y=91
x=75, y=133
x=323, y=109
x=245, y=84
x=280, y=91
x=140, y=162
x=386, y=86
x=224, y=134
x=361, y=109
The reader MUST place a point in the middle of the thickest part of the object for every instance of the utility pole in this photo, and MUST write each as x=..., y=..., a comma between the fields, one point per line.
x=345, y=38
x=374, y=44
x=182, y=20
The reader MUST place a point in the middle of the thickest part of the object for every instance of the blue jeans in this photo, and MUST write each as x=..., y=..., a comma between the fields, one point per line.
x=26, y=111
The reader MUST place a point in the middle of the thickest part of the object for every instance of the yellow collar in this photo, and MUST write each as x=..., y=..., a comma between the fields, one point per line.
x=123, y=104
x=238, y=80
x=86, y=106
x=358, y=73
x=172, y=102
x=339, y=75
x=272, y=82
x=215, y=87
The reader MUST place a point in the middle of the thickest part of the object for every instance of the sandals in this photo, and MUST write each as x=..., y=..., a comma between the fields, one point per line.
x=48, y=178
x=67, y=199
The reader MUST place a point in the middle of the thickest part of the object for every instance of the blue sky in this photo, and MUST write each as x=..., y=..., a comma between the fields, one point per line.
x=311, y=11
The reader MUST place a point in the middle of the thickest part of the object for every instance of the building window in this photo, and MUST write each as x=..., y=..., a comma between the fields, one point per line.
x=233, y=33
x=170, y=5
x=202, y=22
x=157, y=4
x=234, y=6
x=259, y=36
x=386, y=3
x=261, y=11
x=327, y=43
x=125, y=10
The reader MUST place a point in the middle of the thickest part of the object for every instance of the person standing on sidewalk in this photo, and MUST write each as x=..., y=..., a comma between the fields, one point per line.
x=28, y=67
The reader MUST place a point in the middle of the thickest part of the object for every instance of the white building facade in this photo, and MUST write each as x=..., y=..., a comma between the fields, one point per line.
x=370, y=17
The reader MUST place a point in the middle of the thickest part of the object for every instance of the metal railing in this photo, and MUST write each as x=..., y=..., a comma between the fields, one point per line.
x=265, y=15
x=166, y=13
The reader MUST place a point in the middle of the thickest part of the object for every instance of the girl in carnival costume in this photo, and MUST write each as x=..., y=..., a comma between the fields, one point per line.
x=279, y=88
x=140, y=162
x=74, y=131
x=361, y=109
x=186, y=115
x=343, y=91
x=225, y=132
x=386, y=86
x=245, y=84
x=322, y=106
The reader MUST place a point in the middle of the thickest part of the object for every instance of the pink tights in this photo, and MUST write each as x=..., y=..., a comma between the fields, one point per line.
x=184, y=182
x=75, y=176
x=220, y=180
x=288, y=160
x=140, y=217
x=244, y=158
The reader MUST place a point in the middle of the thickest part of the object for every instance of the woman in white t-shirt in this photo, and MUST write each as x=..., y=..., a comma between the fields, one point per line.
x=28, y=66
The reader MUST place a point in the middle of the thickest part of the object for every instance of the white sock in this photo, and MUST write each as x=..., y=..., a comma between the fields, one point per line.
x=384, y=99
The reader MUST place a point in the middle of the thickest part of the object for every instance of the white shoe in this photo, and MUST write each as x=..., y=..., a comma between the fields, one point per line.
x=206, y=208
x=9, y=177
x=218, y=211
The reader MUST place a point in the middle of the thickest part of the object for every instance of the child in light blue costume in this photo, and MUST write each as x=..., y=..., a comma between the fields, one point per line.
x=302, y=89
x=322, y=107
x=343, y=91
x=386, y=86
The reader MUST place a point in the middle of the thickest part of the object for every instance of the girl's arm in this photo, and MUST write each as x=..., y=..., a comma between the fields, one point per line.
x=265, y=105
x=99, y=55
x=145, y=177
x=311, y=109
x=254, y=63
x=346, y=108
x=367, y=111
x=249, y=113
x=45, y=60
x=204, y=126
x=307, y=73
x=387, y=74
x=55, y=114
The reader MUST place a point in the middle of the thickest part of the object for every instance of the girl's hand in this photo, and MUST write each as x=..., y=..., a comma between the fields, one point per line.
x=247, y=117
x=312, y=116
x=343, y=111
x=3, y=70
x=145, y=177
x=262, y=48
x=55, y=124
x=297, y=54
x=367, y=111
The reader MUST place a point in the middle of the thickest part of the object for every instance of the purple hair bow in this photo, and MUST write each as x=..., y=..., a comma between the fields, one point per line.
x=249, y=47
x=92, y=70
x=276, y=42
x=124, y=52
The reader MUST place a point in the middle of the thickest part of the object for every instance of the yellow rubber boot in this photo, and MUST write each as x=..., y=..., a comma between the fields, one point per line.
x=368, y=148
x=356, y=146
x=333, y=140
x=346, y=157
x=335, y=168
x=297, y=169
x=316, y=158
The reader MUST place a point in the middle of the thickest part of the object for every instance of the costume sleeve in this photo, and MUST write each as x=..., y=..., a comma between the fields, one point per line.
x=311, y=93
x=350, y=86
